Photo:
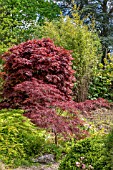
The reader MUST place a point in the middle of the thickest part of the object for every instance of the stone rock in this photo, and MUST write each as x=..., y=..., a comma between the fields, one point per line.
x=48, y=158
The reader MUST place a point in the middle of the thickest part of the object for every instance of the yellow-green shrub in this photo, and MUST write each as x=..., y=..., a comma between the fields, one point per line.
x=19, y=138
x=72, y=34
x=102, y=82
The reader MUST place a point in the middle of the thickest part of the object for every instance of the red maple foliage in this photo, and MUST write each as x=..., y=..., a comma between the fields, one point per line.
x=39, y=79
x=42, y=60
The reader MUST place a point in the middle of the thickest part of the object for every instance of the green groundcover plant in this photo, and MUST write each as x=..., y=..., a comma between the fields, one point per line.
x=19, y=138
x=89, y=153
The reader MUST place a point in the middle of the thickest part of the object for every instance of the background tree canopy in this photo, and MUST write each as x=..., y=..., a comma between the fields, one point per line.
x=18, y=17
x=101, y=11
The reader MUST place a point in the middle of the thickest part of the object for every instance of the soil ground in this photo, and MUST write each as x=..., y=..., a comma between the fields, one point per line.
x=41, y=167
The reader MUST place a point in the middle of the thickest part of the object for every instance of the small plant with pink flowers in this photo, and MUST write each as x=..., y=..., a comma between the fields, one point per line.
x=81, y=165
x=87, y=154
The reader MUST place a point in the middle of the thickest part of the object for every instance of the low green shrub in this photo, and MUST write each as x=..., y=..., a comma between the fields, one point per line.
x=109, y=146
x=89, y=153
x=19, y=138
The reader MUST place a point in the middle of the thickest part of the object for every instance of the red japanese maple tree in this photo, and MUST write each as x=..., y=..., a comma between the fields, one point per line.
x=39, y=78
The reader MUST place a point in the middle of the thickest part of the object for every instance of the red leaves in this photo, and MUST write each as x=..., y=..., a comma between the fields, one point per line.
x=90, y=105
x=48, y=62
x=39, y=92
x=39, y=79
x=40, y=104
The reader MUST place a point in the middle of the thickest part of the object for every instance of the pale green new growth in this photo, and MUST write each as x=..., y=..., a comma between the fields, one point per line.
x=72, y=34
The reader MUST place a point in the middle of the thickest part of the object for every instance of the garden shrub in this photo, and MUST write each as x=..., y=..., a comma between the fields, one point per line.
x=89, y=153
x=38, y=79
x=109, y=146
x=20, y=140
x=102, y=82
x=42, y=60
x=73, y=35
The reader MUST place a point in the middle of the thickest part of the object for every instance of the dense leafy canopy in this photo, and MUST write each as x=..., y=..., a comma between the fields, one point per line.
x=102, y=81
x=101, y=11
x=17, y=19
x=39, y=79
x=73, y=35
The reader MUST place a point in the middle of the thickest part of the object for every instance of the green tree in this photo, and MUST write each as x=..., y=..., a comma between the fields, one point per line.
x=73, y=35
x=18, y=18
x=102, y=11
